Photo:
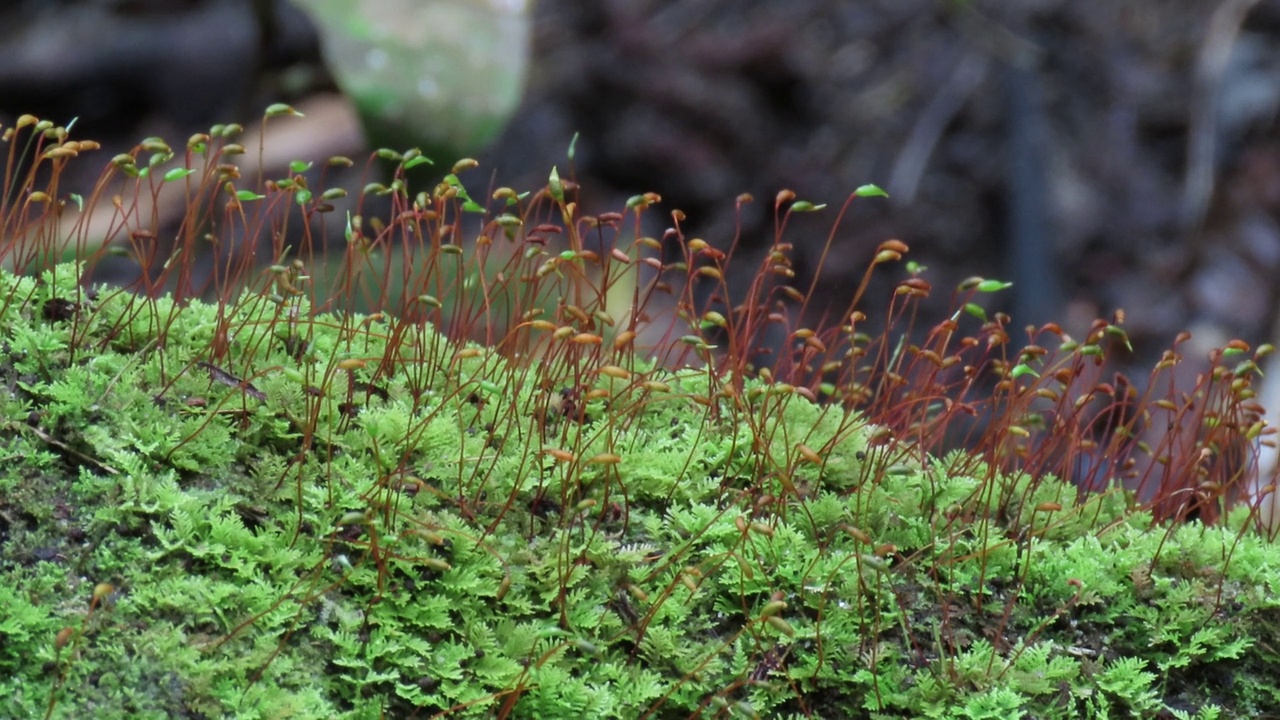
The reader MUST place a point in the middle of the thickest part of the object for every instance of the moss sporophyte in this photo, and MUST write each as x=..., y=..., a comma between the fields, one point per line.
x=495, y=457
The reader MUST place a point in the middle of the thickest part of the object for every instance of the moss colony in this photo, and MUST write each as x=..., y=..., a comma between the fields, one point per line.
x=261, y=512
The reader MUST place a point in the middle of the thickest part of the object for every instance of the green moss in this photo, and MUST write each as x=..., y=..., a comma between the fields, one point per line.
x=297, y=527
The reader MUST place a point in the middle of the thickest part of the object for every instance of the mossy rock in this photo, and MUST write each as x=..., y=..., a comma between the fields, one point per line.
x=261, y=512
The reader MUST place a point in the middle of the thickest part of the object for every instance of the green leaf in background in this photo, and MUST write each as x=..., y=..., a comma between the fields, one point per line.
x=445, y=75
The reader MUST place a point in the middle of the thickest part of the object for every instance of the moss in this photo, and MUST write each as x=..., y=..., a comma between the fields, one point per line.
x=295, y=526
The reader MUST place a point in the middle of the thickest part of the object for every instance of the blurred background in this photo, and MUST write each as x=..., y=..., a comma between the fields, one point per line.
x=1102, y=155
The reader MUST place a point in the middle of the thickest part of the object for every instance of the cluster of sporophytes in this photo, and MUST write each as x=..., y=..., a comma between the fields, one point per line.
x=496, y=458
